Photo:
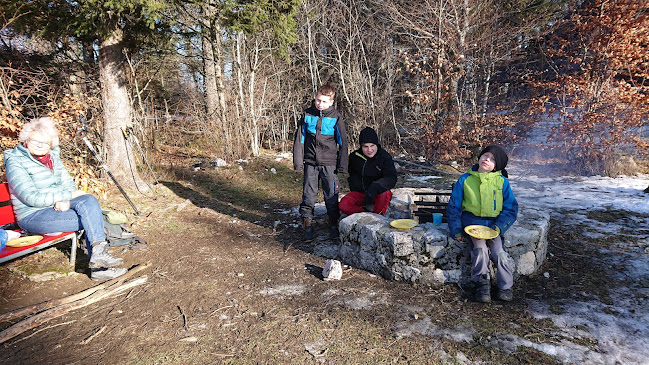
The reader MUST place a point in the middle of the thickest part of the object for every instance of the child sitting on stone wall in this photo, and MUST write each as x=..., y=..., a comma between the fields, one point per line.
x=371, y=176
x=483, y=196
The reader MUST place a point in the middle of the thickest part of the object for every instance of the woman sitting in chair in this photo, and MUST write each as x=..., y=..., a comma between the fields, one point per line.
x=46, y=200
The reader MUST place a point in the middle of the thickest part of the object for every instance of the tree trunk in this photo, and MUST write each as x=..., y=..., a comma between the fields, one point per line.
x=239, y=76
x=118, y=154
x=214, y=86
x=254, y=117
x=209, y=61
x=220, y=88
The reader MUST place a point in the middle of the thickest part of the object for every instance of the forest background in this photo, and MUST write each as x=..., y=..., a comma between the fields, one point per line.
x=227, y=79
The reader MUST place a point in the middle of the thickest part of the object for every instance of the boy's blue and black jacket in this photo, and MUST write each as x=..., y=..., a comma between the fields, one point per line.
x=481, y=198
x=321, y=139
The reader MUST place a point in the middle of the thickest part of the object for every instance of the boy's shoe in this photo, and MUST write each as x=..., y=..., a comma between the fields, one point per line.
x=334, y=233
x=308, y=229
x=308, y=234
x=100, y=257
x=483, y=291
x=107, y=274
x=506, y=295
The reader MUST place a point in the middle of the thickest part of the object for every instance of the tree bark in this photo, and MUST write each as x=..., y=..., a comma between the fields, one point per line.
x=118, y=112
x=209, y=61
x=213, y=81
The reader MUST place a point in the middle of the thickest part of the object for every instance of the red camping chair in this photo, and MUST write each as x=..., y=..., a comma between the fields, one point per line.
x=7, y=216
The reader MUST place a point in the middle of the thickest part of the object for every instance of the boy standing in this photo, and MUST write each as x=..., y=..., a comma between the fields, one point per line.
x=371, y=176
x=320, y=149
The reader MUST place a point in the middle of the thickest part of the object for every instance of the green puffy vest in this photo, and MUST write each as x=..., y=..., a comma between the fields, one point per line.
x=483, y=194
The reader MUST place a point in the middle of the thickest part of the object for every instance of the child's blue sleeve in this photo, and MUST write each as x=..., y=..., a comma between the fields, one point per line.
x=510, y=209
x=454, y=208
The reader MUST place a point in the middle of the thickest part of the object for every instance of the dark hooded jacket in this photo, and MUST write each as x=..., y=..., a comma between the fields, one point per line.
x=371, y=176
x=321, y=139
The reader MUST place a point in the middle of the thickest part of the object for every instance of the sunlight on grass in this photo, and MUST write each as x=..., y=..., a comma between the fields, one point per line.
x=250, y=191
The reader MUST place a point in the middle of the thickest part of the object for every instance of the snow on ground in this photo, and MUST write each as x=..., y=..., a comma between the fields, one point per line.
x=620, y=329
x=422, y=179
x=597, y=192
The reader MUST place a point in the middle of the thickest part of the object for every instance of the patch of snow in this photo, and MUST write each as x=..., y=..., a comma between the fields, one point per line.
x=285, y=155
x=355, y=301
x=582, y=193
x=422, y=179
x=619, y=331
x=424, y=326
x=283, y=290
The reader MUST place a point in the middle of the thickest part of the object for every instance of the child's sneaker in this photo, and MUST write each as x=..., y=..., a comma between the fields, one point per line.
x=506, y=295
x=483, y=291
x=107, y=274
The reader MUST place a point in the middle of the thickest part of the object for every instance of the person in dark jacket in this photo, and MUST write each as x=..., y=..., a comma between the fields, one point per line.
x=320, y=149
x=371, y=176
x=483, y=196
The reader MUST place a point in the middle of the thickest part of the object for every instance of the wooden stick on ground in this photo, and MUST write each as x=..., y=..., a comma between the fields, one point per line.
x=25, y=311
x=427, y=167
x=42, y=317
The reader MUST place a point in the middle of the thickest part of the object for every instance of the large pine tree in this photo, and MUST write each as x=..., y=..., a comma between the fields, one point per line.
x=113, y=27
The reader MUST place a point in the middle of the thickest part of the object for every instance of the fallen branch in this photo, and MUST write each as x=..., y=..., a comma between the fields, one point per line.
x=42, y=317
x=25, y=311
x=87, y=340
x=427, y=167
x=40, y=330
x=184, y=318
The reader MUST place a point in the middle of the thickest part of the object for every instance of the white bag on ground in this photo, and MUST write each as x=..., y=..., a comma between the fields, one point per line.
x=333, y=270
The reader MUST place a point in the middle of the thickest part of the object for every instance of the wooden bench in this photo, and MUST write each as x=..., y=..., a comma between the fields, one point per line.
x=434, y=202
x=8, y=219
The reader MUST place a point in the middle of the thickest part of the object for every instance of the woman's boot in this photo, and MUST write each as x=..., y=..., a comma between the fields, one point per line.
x=101, y=258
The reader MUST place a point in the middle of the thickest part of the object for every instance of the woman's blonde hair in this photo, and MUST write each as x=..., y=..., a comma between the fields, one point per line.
x=45, y=126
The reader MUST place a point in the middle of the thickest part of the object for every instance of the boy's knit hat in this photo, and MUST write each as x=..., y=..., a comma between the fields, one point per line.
x=499, y=155
x=368, y=135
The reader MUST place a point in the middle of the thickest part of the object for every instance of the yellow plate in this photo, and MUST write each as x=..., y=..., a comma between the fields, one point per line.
x=403, y=223
x=24, y=241
x=480, y=232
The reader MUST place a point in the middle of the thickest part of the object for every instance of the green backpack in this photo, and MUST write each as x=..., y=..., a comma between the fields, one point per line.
x=116, y=232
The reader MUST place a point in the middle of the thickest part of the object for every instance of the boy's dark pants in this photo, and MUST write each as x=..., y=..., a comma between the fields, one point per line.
x=330, y=187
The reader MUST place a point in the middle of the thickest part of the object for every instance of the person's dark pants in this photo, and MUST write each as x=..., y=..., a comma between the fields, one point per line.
x=330, y=186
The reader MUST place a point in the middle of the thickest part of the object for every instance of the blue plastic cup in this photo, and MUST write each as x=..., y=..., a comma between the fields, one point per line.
x=437, y=219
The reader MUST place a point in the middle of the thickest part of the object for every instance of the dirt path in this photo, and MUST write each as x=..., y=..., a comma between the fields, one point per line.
x=222, y=289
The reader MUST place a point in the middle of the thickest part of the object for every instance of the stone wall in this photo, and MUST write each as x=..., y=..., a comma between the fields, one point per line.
x=426, y=254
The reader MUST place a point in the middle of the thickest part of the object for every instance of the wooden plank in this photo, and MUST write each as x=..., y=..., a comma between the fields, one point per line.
x=430, y=204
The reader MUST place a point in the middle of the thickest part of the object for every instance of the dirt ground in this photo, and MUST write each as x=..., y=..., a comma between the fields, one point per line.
x=229, y=284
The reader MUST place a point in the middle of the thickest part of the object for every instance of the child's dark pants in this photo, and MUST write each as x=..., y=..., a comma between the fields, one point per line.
x=330, y=187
